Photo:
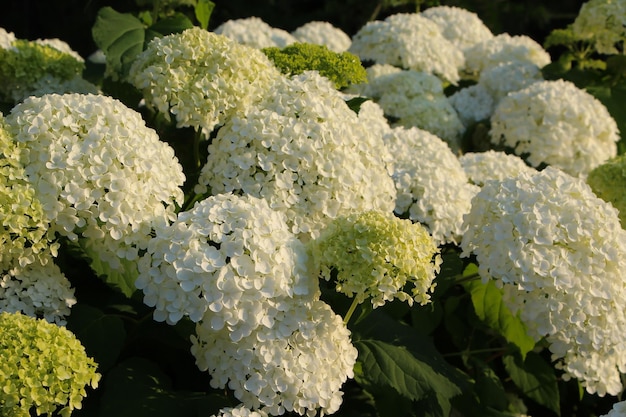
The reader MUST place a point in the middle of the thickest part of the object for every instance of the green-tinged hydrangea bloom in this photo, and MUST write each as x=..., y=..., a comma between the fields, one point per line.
x=608, y=181
x=602, y=22
x=343, y=69
x=28, y=61
x=375, y=254
x=43, y=368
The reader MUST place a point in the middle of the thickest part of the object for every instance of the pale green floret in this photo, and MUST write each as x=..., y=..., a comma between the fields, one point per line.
x=608, y=181
x=28, y=61
x=43, y=368
x=343, y=69
x=375, y=254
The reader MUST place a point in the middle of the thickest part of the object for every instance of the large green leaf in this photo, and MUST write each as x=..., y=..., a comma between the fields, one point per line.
x=536, y=378
x=203, y=11
x=489, y=307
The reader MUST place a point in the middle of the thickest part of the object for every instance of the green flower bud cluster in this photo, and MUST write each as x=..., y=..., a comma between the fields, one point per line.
x=608, y=181
x=375, y=254
x=42, y=367
x=343, y=69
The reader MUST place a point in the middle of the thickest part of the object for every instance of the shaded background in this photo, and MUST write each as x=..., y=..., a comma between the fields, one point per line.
x=71, y=20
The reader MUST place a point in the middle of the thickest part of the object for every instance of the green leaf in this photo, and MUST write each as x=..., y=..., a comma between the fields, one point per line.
x=102, y=335
x=121, y=37
x=614, y=98
x=536, y=378
x=489, y=307
x=203, y=11
x=171, y=24
x=489, y=388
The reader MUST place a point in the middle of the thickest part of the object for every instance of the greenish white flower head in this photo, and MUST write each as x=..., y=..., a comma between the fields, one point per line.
x=6, y=39
x=200, y=77
x=43, y=368
x=255, y=33
x=303, y=150
x=504, y=48
x=460, y=26
x=608, y=181
x=240, y=411
x=49, y=84
x=230, y=260
x=603, y=23
x=298, y=365
x=558, y=124
x=99, y=172
x=432, y=187
x=472, y=104
x=506, y=77
x=559, y=253
x=409, y=41
x=375, y=255
x=481, y=167
x=323, y=33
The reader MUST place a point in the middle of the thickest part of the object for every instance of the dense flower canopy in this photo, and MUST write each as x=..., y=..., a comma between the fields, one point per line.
x=556, y=123
x=200, y=77
x=255, y=33
x=472, y=104
x=460, y=26
x=323, y=33
x=603, y=23
x=559, y=253
x=481, y=167
x=506, y=77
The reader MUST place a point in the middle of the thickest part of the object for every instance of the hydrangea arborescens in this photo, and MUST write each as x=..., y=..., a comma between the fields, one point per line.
x=240, y=411
x=200, y=77
x=323, y=33
x=481, y=167
x=299, y=364
x=98, y=170
x=472, y=104
x=303, y=150
x=432, y=187
x=556, y=123
x=6, y=39
x=618, y=410
x=255, y=33
x=230, y=259
x=43, y=368
x=603, y=23
x=375, y=255
x=504, y=48
x=507, y=77
x=49, y=84
x=608, y=182
x=460, y=26
x=559, y=253
x=409, y=41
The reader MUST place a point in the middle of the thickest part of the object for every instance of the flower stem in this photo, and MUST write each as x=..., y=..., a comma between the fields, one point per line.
x=355, y=303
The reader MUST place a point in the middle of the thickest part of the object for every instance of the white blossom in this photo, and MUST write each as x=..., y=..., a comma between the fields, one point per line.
x=472, y=104
x=481, y=167
x=255, y=33
x=460, y=26
x=6, y=39
x=506, y=77
x=323, y=33
x=603, y=23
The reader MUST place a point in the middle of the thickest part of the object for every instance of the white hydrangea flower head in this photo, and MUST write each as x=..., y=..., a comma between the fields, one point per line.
x=507, y=77
x=481, y=167
x=240, y=411
x=472, y=104
x=432, y=187
x=416, y=99
x=255, y=33
x=298, y=365
x=556, y=123
x=602, y=22
x=306, y=152
x=323, y=33
x=374, y=71
x=61, y=46
x=98, y=170
x=200, y=77
x=49, y=84
x=618, y=410
x=504, y=48
x=460, y=26
x=231, y=258
x=39, y=290
x=6, y=39
x=409, y=41
x=559, y=253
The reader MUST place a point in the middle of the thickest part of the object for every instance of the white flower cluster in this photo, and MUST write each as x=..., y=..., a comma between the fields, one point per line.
x=481, y=167
x=618, y=410
x=472, y=104
x=323, y=33
x=230, y=260
x=255, y=33
x=559, y=253
x=297, y=365
x=460, y=26
x=556, y=123
x=240, y=411
x=200, y=77
x=37, y=290
x=432, y=187
x=409, y=41
x=602, y=22
x=6, y=39
x=60, y=46
x=49, y=84
x=504, y=48
x=98, y=171
x=305, y=151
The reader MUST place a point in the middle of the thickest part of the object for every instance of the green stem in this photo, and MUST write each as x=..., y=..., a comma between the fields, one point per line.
x=466, y=352
x=355, y=303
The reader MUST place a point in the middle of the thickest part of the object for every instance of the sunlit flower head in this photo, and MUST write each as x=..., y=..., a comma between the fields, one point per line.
x=608, y=181
x=240, y=411
x=255, y=33
x=43, y=368
x=6, y=39
x=559, y=253
x=603, y=23
x=409, y=41
x=558, y=124
x=481, y=167
x=323, y=33
x=460, y=26
x=200, y=77
x=472, y=104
